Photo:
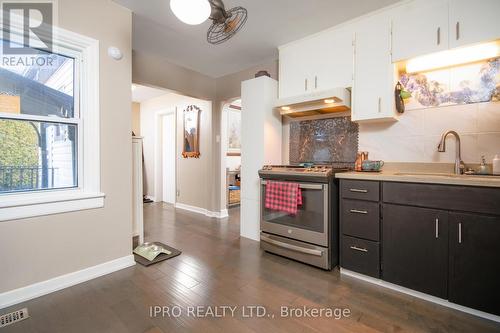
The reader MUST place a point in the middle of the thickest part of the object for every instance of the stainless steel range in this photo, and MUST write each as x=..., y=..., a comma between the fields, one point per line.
x=310, y=235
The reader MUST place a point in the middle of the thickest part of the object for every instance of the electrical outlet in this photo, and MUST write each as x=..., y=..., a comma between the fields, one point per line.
x=178, y=193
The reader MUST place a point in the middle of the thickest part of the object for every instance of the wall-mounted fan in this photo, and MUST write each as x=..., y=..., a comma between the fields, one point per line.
x=225, y=23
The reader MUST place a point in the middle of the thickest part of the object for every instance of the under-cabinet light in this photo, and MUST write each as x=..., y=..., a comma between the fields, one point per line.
x=285, y=108
x=329, y=101
x=453, y=57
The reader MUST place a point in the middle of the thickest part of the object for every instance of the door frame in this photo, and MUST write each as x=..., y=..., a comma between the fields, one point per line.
x=158, y=153
x=223, y=151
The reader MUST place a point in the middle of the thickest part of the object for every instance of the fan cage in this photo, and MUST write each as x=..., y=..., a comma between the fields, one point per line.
x=218, y=32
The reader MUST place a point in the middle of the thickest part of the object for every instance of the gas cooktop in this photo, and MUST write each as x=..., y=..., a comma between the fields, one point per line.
x=323, y=172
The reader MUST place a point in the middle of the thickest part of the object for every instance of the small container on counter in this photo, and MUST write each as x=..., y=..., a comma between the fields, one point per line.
x=483, y=168
x=496, y=165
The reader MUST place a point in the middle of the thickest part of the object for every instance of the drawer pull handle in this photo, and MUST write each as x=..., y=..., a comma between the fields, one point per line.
x=358, y=190
x=358, y=249
x=358, y=211
x=437, y=228
x=460, y=233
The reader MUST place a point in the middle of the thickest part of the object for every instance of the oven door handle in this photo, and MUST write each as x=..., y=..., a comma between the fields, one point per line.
x=303, y=186
x=295, y=248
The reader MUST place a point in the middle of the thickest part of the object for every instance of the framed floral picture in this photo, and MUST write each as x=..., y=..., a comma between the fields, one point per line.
x=233, y=132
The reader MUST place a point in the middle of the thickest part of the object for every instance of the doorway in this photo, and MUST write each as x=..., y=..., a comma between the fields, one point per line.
x=166, y=161
x=231, y=154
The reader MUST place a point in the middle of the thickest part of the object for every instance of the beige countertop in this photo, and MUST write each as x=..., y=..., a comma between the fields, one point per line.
x=429, y=173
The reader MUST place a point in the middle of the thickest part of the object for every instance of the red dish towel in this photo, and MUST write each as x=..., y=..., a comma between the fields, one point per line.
x=283, y=196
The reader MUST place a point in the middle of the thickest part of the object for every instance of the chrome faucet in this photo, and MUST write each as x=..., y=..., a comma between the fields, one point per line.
x=459, y=164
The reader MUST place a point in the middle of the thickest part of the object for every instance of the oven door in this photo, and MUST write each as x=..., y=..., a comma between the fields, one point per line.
x=310, y=224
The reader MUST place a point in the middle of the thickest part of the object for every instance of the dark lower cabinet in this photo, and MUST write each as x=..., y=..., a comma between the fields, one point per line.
x=415, y=248
x=474, y=261
x=442, y=240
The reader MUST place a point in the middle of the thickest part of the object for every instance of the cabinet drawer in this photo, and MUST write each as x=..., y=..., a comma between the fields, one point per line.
x=361, y=256
x=359, y=189
x=446, y=197
x=361, y=219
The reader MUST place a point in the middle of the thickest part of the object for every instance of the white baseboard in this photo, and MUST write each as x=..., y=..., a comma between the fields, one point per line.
x=420, y=295
x=64, y=281
x=220, y=215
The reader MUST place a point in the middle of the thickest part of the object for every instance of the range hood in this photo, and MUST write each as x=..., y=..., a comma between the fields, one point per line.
x=323, y=102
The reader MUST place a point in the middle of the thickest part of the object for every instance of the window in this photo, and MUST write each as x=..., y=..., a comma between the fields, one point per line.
x=49, y=128
x=39, y=123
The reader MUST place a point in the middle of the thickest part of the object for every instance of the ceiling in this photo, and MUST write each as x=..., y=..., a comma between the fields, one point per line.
x=270, y=23
x=143, y=93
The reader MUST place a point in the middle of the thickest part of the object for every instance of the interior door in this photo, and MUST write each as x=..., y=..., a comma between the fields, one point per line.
x=420, y=27
x=415, y=248
x=168, y=157
x=473, y=22
x=474, y=268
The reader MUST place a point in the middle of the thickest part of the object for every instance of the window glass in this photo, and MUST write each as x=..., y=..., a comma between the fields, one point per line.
x=40, y=84
x=37, y=155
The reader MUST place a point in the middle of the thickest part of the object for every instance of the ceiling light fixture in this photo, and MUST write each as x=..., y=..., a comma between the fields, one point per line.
x=454, y=57
x=192, y=12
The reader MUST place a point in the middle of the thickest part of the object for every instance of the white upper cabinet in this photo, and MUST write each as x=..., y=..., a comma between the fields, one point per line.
x=420, y=27
x=320, y=62
x=295, y=67
x=474, y=21
x=372, y=97
x=332, y=59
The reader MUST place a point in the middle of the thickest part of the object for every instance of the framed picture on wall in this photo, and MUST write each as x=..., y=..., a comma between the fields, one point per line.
x=191, y=140
x=233, y=132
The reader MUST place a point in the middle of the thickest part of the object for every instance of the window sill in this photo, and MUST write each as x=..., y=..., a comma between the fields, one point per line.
x=25, y=205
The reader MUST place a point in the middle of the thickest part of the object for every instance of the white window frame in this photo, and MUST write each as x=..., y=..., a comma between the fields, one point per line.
x=87, y=195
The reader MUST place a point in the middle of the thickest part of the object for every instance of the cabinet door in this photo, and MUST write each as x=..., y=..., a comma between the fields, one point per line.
x=295, y=63
x=474, y=267
x=419, y=28
x=415, y=248
x=371, y=95
x=332, y=59
x=474, y=21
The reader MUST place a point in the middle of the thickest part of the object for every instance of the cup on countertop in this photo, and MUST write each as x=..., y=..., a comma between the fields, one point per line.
x=369, y=165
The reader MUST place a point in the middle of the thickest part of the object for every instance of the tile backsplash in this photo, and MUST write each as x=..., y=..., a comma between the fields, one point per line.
x=415, y=137
x=331, y=140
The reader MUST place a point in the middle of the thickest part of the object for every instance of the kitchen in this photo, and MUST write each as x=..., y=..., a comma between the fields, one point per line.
x=299, y=166
x=385, y=141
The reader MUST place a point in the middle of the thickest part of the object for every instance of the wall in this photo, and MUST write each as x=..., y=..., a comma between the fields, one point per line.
x=31, y=250
x=153, y=70
x=193, y=175
x=136, y=118
x=229, y=89
x=415, y=137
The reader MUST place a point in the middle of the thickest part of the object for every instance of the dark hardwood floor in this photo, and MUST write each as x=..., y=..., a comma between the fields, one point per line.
x=219, y=268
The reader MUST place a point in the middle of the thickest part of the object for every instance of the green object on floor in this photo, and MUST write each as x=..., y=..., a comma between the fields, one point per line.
x=150, y=251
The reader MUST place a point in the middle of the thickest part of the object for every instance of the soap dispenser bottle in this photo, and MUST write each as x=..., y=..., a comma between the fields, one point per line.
x=496, y=165
x=483, y=168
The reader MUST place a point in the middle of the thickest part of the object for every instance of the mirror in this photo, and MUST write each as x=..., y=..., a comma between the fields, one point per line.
x=191, y=144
